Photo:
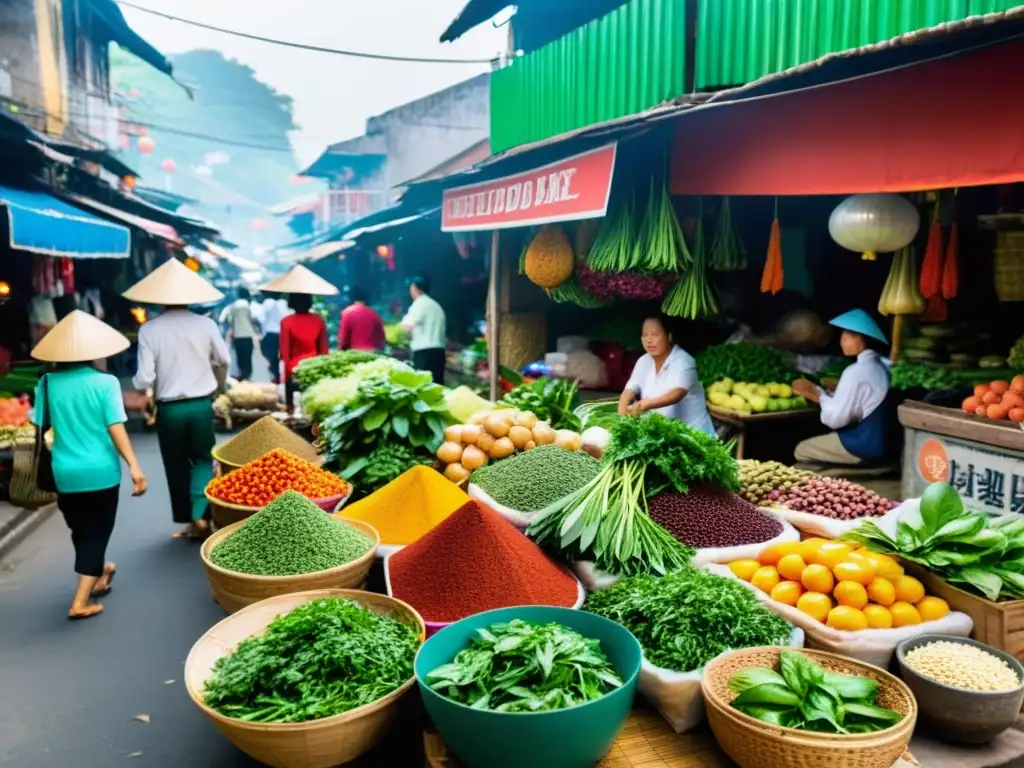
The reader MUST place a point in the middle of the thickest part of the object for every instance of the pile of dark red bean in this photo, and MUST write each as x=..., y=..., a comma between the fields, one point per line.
x=828, y=497
x=710, y=517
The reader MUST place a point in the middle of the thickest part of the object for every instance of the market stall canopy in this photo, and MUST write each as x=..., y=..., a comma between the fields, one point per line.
x=172, y=284
x=41, y=223
x=155, y=228
x=79, y=338
x=398, y=221
x=301, y=280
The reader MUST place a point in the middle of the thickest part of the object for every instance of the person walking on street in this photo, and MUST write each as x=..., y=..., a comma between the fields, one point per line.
x=242, y=332
x=426, y=322
x=361, y=327
x=270, y=314
x=85, y=408
x=303, y=334
x=183, y=360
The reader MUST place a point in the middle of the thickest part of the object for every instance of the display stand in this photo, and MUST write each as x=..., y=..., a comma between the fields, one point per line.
x=736, y=423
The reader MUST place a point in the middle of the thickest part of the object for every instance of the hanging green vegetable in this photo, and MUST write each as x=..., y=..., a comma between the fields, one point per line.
x=571, y=292
x=728, y=254
x=693, y=296
x=660, y=244
x=613, y=251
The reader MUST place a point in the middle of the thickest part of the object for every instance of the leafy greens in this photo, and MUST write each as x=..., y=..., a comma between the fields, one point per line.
x=551, y=400
x=336, y=365
x=382, y=465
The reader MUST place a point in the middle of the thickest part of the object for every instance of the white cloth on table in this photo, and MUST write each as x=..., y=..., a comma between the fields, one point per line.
x=679, y=371
x=177, y=354
x=861, y=389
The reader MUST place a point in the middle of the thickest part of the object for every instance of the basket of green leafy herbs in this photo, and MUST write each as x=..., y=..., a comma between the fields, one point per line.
x=310, y=678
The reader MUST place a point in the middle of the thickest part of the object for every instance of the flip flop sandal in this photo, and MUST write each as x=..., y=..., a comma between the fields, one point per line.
x=106, y=590
x=83, y=616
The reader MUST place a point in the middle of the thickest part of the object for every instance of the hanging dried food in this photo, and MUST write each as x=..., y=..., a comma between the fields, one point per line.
x=772, y=278
x=951, y=270
x=931, y=270
x=728, y=254
x=549, y=259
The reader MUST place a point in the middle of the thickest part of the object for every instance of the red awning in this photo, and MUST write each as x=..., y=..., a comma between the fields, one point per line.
x=951, y=122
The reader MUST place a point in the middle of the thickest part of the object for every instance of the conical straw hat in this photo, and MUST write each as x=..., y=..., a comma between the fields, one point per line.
x=301, y=280
x=172, y=284
x=79, y=338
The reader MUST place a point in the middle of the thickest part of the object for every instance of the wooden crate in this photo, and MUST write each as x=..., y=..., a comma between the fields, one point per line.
x=1000, y=625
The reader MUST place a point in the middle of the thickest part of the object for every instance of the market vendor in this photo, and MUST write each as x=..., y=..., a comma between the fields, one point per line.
x=854, y=412
x=665, y=380
x=183, y=361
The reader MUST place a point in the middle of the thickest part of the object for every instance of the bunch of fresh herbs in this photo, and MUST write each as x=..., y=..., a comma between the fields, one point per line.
x=383, y=464
x=324, y=658
x=336, y=365
x=685, y=619
x=400, y=405
x=963, y=547
x=525, y=667
x=607, y=520
x=807, y=697
x=550, y=400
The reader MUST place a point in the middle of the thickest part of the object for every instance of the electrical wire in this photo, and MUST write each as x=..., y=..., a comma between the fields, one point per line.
x=304, y=46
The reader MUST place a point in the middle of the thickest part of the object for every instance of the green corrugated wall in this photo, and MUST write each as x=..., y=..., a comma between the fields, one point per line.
x=625, y=62
x=742, y=40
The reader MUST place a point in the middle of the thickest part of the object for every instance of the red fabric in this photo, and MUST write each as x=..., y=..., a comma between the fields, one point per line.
x=946, y=123
x=303, y=335
x=361, y=328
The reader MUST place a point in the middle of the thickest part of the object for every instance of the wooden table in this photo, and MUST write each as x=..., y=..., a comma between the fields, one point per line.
x=736, y=423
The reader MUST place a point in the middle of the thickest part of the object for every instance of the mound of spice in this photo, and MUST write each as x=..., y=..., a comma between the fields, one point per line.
x=409, y=506
x=476, y=561
x=261, y=438
x=711, y=517
x=290, y=536
x=530, y=481
x=261, y=481
x=962, y=666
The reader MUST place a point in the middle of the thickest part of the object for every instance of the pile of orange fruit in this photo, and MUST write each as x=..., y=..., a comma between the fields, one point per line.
x=261, y=481
x=844, y=587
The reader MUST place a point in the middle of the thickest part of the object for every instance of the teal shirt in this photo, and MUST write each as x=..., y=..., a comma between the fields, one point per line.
x=83, y=403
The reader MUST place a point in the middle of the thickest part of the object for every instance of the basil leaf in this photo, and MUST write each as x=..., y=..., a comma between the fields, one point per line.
x=768, y=694
x=819, y=706
x=801, y=673
x=751, y=678
x=851, y=688
x=940, y=504
x=871, y=712
x=784, y=718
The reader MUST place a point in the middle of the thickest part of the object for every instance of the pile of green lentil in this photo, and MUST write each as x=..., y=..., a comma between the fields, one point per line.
x=289, y=537
x=962, y=666
x=532, y=480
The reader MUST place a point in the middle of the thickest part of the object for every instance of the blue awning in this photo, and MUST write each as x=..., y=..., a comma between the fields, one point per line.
x=41, y=223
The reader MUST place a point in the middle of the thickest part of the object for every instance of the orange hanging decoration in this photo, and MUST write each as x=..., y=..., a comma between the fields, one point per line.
x=951, y=270
x=931, y=270
x=772, y=278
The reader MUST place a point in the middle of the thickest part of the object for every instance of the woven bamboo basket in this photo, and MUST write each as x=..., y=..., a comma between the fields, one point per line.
x=1009, y=273
x=315, y=744
x=755, y=744
x=233, y=591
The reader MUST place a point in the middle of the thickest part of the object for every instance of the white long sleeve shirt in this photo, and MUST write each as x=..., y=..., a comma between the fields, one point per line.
x=861, y=389
x=679, y=371
x=177, y=354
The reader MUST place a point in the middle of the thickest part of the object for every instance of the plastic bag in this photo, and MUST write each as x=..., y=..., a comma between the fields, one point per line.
x=677, y=695
x=830, y=528
x=874, y=646
x=520, y=520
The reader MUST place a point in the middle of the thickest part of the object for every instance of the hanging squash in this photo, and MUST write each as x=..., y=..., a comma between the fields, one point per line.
x=873, y=224
x=549, y=260
x=901, y=294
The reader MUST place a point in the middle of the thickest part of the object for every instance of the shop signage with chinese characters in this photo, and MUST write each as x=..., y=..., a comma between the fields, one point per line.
x=568, y=190
x=989, y=480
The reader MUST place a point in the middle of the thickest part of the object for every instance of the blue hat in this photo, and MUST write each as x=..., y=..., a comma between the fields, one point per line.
x=859, y=321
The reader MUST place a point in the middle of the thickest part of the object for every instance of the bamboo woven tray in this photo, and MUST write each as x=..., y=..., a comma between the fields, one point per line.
x=646, y=741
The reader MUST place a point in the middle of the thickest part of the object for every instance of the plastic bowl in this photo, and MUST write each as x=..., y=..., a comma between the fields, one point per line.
x=957, y=715
x=577, y=737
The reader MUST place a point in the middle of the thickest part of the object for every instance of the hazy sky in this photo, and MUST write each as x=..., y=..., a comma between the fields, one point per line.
x=333, y=94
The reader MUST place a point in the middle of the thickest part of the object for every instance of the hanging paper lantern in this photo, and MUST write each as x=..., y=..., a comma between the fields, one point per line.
x=873, y=224
x=146, y=145
x=169, y=165
x=258, y=224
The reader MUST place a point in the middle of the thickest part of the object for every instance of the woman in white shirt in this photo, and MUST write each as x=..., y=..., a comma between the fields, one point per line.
x=854, y=412
x=665, y=380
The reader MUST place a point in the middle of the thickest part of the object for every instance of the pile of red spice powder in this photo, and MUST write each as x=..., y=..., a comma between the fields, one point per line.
x=476, y=561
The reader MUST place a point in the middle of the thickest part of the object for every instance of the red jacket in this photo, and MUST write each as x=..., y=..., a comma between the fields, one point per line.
x=361, y=328
x=303, y=335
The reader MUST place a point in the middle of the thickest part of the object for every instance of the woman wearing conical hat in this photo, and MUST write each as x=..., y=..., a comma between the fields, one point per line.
x=303, y=334
x=183, y=360
x=85, y=407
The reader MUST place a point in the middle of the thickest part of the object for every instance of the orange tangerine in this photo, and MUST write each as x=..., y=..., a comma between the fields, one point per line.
x=791, y=567
x=765, y=578
x=847, y=618
x=831, y=553
x=904, y=614
x=744, y=569
x=809, y=548
x=863, y=560
x=909, y=589
x=851, y=593
x=787, y=592
x=932, y=608
x=817, y=578
x=862, y=573
x=878, y=616
x=882, y=591
x=776, y=552
x=885, y=566
x=815, y=604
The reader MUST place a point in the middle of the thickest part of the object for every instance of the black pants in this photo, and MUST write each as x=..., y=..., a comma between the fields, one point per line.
x=90, y=516
x=243, y=352
x=270, y=346
x=431, y=360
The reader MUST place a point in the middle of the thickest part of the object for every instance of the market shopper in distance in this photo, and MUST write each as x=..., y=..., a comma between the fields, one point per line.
x=85, y=407
x=425, y=321
x=665, y=380
x=361, y=327
x=183, y=361
x=242, y=334
x=270, y=314
x=856, y=411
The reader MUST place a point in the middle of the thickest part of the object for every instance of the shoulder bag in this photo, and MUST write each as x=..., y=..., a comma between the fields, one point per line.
x=43, y=457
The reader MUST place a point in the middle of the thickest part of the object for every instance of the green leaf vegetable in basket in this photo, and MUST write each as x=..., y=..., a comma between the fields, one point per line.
x=550, y=400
